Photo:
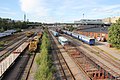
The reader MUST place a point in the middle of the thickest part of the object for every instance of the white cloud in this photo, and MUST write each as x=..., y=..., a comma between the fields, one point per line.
x=5, y=10
x=66, y=10
x=34, y=7
x=103, y=11
x=106, y=8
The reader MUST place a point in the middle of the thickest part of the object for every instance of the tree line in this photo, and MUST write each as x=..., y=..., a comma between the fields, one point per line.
x=6, y=24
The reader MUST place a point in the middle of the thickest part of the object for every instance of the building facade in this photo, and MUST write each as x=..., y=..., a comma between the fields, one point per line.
x=110, y=19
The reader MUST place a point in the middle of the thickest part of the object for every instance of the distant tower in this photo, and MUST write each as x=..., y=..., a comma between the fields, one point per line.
x=24, y=17
x=83, y=15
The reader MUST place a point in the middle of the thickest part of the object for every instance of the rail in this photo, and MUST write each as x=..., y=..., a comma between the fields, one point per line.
x=97, y=53
x=28, y=67
x=62, y=61
x=11, y=49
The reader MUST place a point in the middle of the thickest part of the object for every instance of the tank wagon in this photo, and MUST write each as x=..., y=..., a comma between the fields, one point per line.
x=85, y=39
x=34, y=42
x=55, y=33
x=63, y=41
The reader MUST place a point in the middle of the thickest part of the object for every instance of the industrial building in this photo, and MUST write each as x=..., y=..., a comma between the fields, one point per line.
x=110, y=19
x=99, y=33
x=93, y=28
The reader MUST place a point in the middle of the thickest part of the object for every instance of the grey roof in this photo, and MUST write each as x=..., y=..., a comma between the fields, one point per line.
x=98, y=29
x=90, y=21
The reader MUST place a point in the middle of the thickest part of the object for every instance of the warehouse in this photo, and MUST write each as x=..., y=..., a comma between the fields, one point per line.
x=99, y=33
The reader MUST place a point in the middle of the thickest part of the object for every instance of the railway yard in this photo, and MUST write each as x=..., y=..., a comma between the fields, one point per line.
x=75, y=57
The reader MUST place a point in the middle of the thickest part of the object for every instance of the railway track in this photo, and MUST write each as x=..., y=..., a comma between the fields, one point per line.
x=76, y=71
x=27, y=69
x=64, y=68
x=12, y=42
x=87, y=66
x=11, y=48
x=14, y=60
x=16, y=70
x=11, y=37
x=99, y=53
x=108, y=58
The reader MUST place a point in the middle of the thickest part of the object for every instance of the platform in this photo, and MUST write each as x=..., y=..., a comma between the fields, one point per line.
x=112, y=51
x=104, y=64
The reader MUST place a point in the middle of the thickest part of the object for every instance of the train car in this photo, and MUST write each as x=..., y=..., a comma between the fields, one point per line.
x=7, y=33
x=10, y=31
x=69, y=33
x=29, y=33
x=64, y=31
x=36, y=38
x=33, y=45
x=34, y=42
x=39, y=34
x=80, y=36
x=55, y=33
x=88, y=40
x=4, y=34
x=75, y=35
x=63, y=41
x=9, y=60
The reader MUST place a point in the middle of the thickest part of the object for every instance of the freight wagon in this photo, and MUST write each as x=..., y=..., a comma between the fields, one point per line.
x=63, y=41
x=88, y=40
x=7, y=33
x=29, y=33
x=39, y=34
x=33, y=45
x=34, y=42
x=55, y=33
x=9, y=60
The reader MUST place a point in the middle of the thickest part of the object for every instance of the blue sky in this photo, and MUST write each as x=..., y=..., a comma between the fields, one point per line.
x=59, y=10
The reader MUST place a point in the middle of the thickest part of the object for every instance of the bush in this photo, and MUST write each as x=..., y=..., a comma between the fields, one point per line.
x=43, y=60
x=114, y=34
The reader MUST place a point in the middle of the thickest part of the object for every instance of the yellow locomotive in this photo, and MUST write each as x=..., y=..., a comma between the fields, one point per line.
x=33, y=46
x=29, y=33
x=33, y=43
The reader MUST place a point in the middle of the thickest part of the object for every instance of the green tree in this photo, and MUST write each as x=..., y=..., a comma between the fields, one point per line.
x=6, y=23
x=114, y=34
x=71, y=28
x=44, y=60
